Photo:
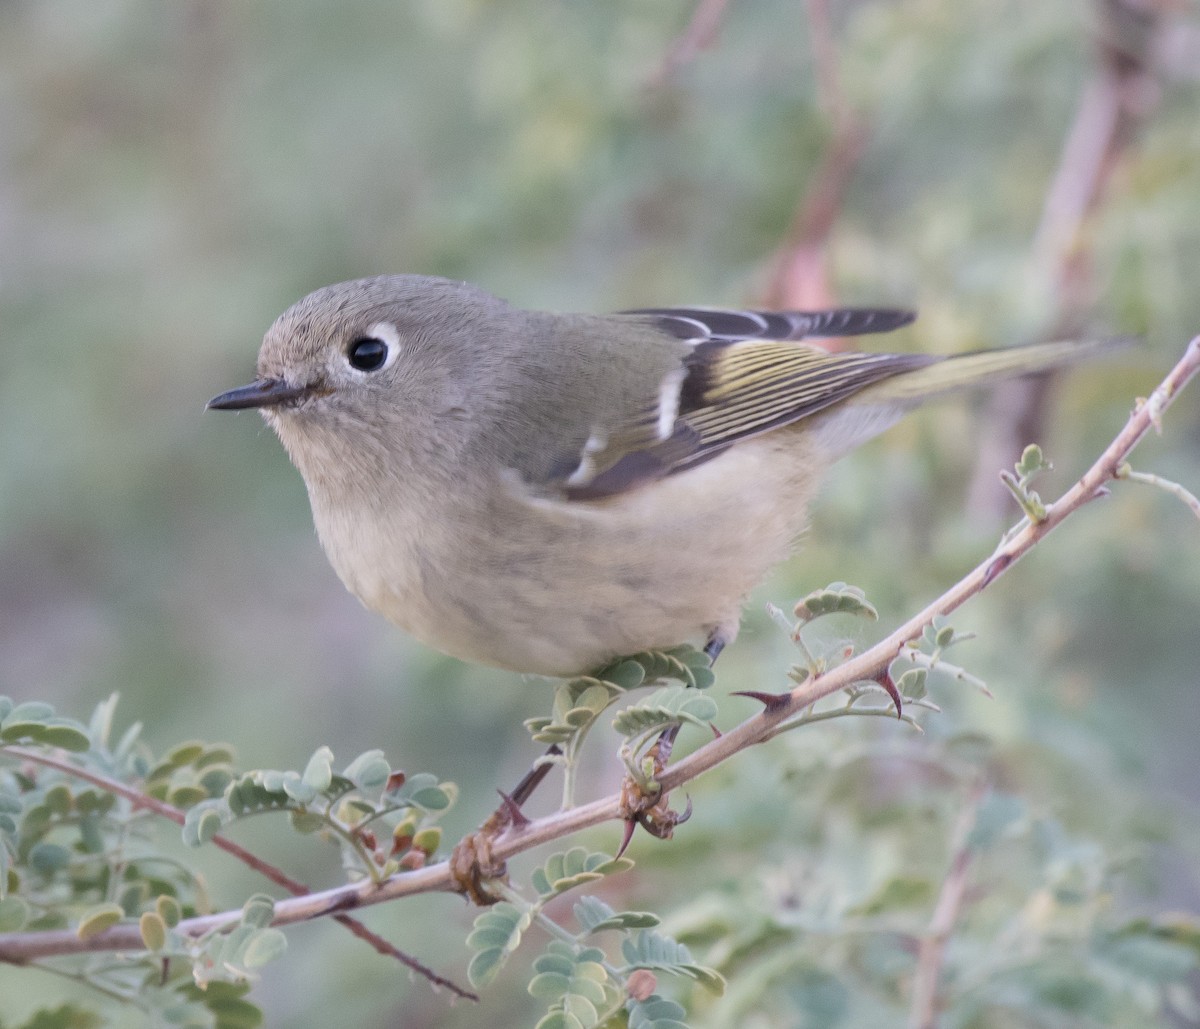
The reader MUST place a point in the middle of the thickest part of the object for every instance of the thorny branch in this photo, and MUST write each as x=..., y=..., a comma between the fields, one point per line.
x=1109, y=466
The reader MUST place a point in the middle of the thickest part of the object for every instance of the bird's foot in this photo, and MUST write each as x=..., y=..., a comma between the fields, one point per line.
x=472, y=863
x=644, y=803
x=473, y=867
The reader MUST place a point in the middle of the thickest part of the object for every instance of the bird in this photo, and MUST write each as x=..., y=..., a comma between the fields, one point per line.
x=547, y=492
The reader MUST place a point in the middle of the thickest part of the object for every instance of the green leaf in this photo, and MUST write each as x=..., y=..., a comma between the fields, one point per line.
x=497, y=933
x=215, y=754
x=203, y=822
x=1032, y=461
x=559, y=1019
x=549, y=985
x=424, y=791
x=368, y=771
x=836, y=598
x=58, y=799
x=649, y=949
x=153, y=930
x=593, y=915
x=31, y=711
x=656, y=1013
x=565, y=870
x=251, y=793
x=432, y=798
x=681, y=664
x=49, y=858
x=65, y=1016
x=306, y=821
x=318, y=773
x=66, y=734
x=263, y=946
x=184, y=753
x=187, y=796
x=14, y=913
x=95, y=920
x=168, y=910
x=628, y=675
x=669, y=706
x=574, y=982
x=258, y=911
x=577, y=704
x=226, y=1002
x=912, y=684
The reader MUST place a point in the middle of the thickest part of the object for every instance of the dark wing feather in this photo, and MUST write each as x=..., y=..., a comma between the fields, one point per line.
x=728, y=392
x=704, y=323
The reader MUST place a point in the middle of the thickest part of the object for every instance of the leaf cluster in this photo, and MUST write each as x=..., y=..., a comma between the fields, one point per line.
x=582, y=985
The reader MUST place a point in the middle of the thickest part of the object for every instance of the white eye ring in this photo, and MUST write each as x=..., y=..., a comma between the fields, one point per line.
x=364, y=352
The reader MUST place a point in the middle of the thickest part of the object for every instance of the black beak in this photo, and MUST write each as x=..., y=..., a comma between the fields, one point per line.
x=260, y=393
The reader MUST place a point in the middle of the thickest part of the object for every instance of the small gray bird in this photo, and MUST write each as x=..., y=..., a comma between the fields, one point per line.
x=546, y=492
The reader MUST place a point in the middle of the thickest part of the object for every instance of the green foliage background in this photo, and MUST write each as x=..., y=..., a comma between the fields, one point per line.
x=173, y=175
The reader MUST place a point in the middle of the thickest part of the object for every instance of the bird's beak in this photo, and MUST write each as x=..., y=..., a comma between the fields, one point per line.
x=260, y=393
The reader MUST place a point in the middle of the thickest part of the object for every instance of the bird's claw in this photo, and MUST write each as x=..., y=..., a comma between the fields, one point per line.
x=646, y=804
x=472, y=863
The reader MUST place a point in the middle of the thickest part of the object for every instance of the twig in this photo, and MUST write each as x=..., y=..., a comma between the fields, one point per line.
x=160, y=807
x=798, y=275
x=21, y=947
x=923, y=1011
x=1174, y=488
x=168, y=811
x=1112, y=107
x=700, y=33
x=825, y=58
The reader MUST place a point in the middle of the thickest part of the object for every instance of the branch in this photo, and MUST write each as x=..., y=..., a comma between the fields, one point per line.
x=923, y=1013
x=173, y=814
x=1116, y=101
x=700, y=33
x=798, y=276
x=21, y=947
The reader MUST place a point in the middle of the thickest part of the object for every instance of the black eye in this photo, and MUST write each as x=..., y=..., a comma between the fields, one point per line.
x=367, y=354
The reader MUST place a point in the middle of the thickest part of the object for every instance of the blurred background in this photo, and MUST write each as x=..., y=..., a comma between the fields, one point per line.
x=173, y=175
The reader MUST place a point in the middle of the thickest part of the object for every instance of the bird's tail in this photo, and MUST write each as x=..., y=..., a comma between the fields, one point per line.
x=967, y=370
x=880, y=405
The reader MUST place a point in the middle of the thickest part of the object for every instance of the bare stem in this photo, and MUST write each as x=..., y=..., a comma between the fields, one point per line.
x=932, y=948
x=700, y=33
x=22, y=947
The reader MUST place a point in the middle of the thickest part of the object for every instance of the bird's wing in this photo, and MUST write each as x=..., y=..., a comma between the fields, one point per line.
x=744, y=375
x=698, y=324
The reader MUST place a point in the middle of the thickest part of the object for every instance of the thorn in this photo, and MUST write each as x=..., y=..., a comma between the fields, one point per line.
x=715, y=731
x=771, y=702
x=885, y=680
x=516, y=817
x=630, y=826
x=995, y=568
x=686, y=813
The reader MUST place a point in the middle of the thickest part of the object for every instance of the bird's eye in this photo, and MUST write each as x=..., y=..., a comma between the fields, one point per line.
x=367, y=354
